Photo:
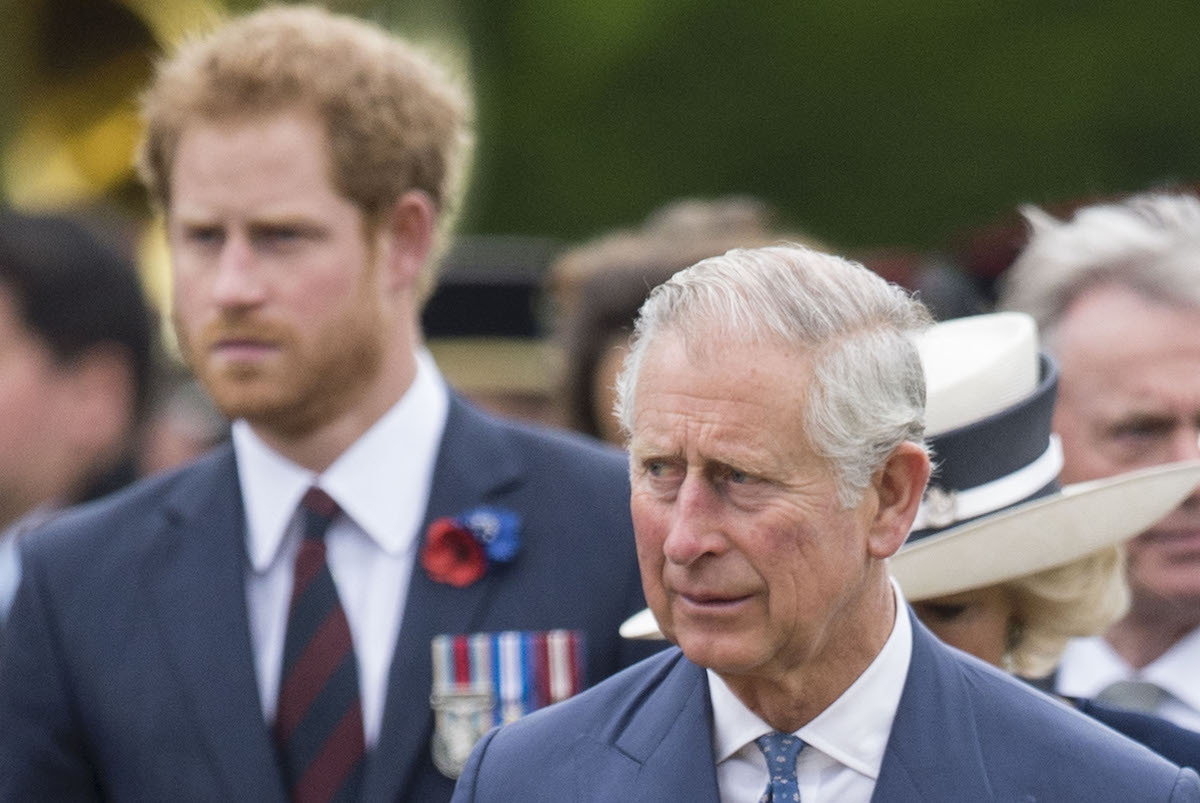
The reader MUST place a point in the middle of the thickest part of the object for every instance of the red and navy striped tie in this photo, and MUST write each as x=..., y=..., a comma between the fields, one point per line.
x=318, y=724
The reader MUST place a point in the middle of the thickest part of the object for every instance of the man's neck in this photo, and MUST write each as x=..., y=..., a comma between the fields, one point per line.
x=316, y=447
x=1150, y=629
x=788, y=702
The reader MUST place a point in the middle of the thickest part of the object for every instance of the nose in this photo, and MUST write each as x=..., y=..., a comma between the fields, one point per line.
x=696, y=523
x=236, y=283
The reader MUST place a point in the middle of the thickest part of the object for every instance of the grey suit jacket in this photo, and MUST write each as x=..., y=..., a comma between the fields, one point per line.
x=963, y=732
x=127, y=673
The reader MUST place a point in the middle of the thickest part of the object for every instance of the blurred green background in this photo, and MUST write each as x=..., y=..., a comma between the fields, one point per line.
x=867, y=124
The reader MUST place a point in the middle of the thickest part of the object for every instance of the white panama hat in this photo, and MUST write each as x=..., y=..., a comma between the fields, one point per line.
x=993, y=510
x=994, y=513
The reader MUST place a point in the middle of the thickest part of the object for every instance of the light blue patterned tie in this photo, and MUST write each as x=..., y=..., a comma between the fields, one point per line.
x=780, y=750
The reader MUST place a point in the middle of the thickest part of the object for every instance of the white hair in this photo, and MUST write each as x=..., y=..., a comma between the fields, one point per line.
x=1149, y=243
x=868, y=389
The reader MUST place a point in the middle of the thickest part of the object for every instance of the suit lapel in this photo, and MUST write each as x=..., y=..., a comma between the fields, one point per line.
x=474, y=463
x=197, y=592
x=662, y=752
x=935, y=728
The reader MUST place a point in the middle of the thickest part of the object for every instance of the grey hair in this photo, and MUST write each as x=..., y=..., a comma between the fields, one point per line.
x=868, y=389
x=1149, y=243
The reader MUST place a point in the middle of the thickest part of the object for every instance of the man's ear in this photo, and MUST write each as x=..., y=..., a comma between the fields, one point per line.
x=900, y=484
x=406, y=237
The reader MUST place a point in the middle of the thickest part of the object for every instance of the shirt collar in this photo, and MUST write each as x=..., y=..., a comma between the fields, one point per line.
x=10, y=572
x=1090, y=664
x=381, y=481
x=853, y=730
x=10, y=555
x=1175, y=669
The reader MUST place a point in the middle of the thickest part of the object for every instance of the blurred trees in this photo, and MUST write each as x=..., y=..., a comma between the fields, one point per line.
x=866, y=123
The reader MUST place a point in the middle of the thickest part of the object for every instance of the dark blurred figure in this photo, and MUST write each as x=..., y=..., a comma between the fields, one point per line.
x=1115, y=291
x=598, y=286
x=181, y=425
x=485, y=326
x=75, y=374
x=943, y=286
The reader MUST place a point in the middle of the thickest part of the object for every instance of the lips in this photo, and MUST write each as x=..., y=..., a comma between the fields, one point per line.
x=242, y=347
x=241, y=352
x=711, y=599
x=1173, y=545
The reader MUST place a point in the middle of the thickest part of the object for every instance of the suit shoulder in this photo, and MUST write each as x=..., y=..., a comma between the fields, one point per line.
x=606, y=734
x=559, y=443
x=1169, y=740
x=603, y=712
x=1050, y=732
x=573, y=465
x=1003, y=740
x=109, y=527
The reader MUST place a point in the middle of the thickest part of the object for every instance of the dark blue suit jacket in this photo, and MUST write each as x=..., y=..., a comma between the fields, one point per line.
x=127, y=672
x=963, y=732
x=1169, y=740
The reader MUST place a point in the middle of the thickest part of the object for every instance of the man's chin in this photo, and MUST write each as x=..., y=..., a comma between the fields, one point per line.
x=722, y=653
x=241, y=397
x=262, y=407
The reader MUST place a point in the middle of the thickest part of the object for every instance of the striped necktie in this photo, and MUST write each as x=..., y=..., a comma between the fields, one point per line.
x=318, y=724
x=780, y=750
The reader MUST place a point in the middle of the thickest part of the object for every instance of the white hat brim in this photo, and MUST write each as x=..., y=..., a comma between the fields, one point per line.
x=1042, y=534
x=1047, y=532
x=642, y=625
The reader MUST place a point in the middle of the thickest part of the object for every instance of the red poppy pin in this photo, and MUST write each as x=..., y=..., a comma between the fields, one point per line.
x=459, y=550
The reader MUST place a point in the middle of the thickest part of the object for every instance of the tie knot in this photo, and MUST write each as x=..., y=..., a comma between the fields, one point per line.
x=319, y=510
x=780, y=749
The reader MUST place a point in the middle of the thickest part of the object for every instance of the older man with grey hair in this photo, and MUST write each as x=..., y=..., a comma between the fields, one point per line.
x=1116, y=293
x=774, y=402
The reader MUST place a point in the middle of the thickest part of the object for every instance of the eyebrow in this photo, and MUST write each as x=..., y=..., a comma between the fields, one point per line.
x=1144, y=418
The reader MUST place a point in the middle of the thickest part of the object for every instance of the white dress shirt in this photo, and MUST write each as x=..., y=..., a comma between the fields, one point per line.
x=10, y=572
x=10, y=554
x=1090, y=664
x=382, y=484
x=844, y=744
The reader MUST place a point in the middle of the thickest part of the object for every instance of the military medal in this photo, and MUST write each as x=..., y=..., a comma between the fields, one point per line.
x=486, y=679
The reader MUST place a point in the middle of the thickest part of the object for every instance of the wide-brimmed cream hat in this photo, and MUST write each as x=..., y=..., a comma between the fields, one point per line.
x=993, y=510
